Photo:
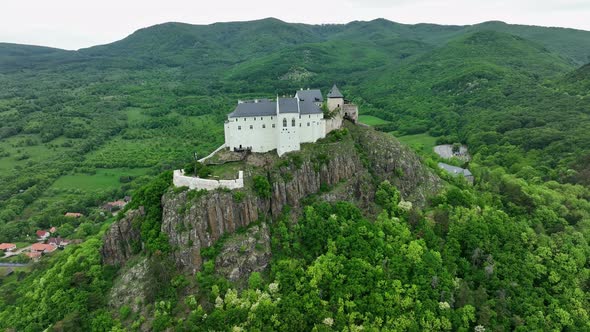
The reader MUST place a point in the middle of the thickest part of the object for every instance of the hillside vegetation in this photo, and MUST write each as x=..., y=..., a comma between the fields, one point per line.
x=79, y=128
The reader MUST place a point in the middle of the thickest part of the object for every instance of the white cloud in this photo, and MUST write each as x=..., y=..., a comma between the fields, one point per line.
x=73, y=24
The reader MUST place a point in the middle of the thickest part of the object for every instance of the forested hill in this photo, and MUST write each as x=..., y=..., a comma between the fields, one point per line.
x=180, y=44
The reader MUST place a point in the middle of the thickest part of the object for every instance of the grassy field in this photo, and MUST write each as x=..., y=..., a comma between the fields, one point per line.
x=420, y=142
x=104, y=179
x=371, y=120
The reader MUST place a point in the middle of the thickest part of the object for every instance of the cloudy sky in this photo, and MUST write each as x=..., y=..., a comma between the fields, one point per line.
x=73, y=24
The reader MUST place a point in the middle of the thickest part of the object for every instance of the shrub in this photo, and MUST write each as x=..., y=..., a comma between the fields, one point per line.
x=262, y=186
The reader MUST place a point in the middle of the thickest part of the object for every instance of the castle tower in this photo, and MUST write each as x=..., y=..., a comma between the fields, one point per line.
x=335, y=98
x=288, y=123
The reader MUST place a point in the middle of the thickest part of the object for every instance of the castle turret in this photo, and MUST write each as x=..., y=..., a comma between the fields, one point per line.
x=335, y=98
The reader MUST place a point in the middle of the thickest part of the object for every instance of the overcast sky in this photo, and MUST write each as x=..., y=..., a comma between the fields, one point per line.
x=74, y=24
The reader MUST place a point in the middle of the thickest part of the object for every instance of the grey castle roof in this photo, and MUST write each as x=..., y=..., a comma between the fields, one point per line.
x=251, y=108
x=335, y=93
x=308, y=107
x=266, y=107
x=454, y=169
x=314, y=95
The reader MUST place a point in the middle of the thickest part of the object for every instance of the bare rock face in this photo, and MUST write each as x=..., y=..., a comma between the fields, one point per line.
x=128, y=289
x=389, y=160
x=195, y=223
x=121, y=239
x=244, y=253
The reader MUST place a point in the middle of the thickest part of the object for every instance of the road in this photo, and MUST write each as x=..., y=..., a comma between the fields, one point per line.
x=13, y=265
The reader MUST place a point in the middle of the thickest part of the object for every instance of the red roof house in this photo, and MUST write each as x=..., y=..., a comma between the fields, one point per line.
x=33, y=254
x=43, y=248
x=7, y=246
x=43, y=235
x=52, y=230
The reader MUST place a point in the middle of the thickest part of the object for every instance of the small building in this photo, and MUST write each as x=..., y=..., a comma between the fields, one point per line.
x=73, y=214
x=43, y=235
x=114, y=206
x=34, y=255
x=7, y=247
x=43, y=248
x=457, y=171
x=58, y=242
x=52, y=230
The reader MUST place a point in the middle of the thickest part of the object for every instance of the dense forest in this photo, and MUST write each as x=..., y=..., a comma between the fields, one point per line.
x=511, y=252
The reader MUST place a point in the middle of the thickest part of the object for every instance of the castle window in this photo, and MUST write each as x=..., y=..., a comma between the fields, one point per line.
x=271, y=117
x=308, y=124
x=251, y=127
x=309, y=116
x=285, y=122
x=263, y=126
x=293, y=122
x=273, y=125
x=239, y=127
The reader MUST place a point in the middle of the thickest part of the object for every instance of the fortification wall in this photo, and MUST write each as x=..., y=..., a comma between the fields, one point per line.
x=333, y=124
x=180, y=180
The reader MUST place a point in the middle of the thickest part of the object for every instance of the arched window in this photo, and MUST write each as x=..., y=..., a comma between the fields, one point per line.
x=284, y=122
x=293, y=122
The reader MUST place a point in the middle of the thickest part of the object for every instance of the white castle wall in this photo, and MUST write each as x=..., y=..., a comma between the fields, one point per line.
x=311, y=127
x=180, y=180
x=288, y=135
x=256, y=132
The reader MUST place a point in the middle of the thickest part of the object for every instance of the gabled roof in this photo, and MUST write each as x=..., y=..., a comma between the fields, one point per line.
x=6, y=246
x=251, y=108
x=335, y=93
x=42, y=247
x=42, y=233
x=309, y=107
x=454, y=169
x=314, y=95
x=288, y=105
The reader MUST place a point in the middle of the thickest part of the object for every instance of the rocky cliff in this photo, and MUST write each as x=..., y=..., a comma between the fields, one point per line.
x=347, y=165
x=122, y=240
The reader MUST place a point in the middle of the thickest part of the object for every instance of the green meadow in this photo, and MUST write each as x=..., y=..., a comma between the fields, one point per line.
x=372, y=120
x=419, y=142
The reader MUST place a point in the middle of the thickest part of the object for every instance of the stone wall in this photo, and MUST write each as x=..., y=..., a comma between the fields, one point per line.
x=333, y=124
x=180, y=180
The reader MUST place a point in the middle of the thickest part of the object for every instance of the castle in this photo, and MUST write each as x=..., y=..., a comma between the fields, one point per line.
x=283, y=124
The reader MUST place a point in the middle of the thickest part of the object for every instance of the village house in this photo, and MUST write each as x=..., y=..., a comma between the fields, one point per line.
x=7, y=247
x=263, y=125
x=73, y=214
x=457, y=171
x=43, y=235
x=57, y=242
x=43, y=248
x=33, y=255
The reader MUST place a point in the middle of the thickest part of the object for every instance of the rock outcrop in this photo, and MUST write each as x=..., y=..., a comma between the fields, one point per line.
x=345, y=167
x=122, y=240
x=244, y=253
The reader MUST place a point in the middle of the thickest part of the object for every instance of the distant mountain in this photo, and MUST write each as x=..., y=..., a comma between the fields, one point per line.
x=222, y=44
